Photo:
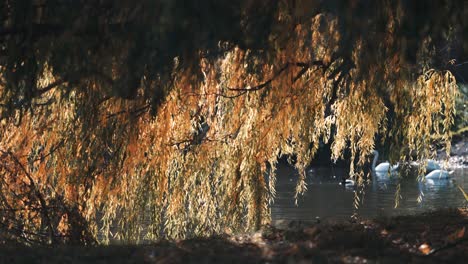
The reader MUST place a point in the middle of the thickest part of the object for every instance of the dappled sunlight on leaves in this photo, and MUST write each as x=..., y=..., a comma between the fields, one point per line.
x=192, y=150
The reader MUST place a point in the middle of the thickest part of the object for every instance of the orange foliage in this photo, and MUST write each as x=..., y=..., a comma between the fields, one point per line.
x=200, y=165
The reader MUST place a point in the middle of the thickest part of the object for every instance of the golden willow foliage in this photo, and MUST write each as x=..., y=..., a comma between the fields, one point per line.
x=82, y=164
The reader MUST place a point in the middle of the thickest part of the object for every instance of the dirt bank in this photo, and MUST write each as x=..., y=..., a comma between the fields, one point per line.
x=436, y=237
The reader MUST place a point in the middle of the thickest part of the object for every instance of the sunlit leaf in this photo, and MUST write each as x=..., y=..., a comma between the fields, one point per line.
x=425, y=249
x=458, y=234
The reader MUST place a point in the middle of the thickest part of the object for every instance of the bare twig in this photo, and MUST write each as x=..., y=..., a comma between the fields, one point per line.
x=304, y=66
x=33, y=185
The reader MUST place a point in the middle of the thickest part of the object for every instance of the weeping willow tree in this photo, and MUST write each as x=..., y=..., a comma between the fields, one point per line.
x=167, y=118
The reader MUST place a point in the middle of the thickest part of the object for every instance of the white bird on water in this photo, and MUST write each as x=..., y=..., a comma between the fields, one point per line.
x=430, y=165
x=439, y=174
x=348, y=182
x=379, y=170
x=382, y=167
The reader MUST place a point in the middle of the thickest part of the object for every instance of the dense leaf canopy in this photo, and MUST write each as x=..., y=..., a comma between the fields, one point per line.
x=174, y=113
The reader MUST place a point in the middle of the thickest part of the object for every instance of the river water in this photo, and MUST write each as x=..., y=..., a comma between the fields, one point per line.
x=328, y=200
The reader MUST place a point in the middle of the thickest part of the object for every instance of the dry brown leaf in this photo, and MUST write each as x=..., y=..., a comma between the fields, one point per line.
x=384, y=232
x=425, y=249
x=453, y=237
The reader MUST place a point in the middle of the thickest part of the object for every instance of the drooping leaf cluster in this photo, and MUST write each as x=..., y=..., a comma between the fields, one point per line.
x=167, y=118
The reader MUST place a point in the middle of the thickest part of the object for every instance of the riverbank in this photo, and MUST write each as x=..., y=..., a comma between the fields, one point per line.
x=434, y=237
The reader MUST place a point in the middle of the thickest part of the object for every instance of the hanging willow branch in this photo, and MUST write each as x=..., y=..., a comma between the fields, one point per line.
x=186, y=141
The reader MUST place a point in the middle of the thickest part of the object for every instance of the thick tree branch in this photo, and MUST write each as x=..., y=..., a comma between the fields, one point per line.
x=304, y=66
x=49, y=87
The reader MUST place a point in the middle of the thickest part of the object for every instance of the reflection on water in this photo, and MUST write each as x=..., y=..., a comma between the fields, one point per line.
x=326, y=199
